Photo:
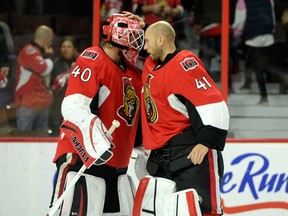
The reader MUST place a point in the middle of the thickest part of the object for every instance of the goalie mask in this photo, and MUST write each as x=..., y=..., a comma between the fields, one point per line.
x=126, y=34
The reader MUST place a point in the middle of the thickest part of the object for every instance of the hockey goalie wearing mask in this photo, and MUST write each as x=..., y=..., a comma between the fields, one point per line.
x=104, y=85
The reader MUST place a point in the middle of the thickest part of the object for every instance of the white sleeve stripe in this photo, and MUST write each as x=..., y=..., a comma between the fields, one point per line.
x=75, y=108
x=176, y=104
x=215, y=114
x=49, y=68
x=24, y=77
x=104, y=92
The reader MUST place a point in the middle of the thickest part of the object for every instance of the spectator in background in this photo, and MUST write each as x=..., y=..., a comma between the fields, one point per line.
x=207, y=23
x=32, y=95
x=108, y=7
x=59, y=79
x=111, y=6
x=24, y=7
x=6, y=92
x=278, y=70
x=155, y=10
x=284, y=22
x=255, y=24
x=4, y=70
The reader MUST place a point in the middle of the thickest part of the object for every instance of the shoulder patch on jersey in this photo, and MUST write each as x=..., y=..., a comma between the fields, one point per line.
x=90, y=54
x=189, y=63
x=30, y=50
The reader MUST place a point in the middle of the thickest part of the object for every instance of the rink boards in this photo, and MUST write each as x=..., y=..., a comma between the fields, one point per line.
x=255, y=182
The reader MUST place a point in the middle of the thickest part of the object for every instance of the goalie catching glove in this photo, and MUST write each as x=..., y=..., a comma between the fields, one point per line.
x=89, y=140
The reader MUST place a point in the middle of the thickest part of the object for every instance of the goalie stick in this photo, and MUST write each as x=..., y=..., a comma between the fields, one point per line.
x=115, y=124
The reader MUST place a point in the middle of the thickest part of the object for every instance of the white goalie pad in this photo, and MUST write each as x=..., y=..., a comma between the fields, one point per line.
x=94, y=192
x=184, y=202
x=126, y=191
x=140, y=161
x=150, y=194
x=157, y=196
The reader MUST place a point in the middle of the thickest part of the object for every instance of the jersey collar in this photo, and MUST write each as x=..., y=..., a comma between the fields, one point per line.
x=167, y=59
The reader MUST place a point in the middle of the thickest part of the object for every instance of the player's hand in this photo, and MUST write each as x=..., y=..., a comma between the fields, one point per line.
x=4, y=71
x=3, y=76
x=197, y=154
x=136, y=17
x=49, y=50
x=60, y=82
x=157, y=9
x=197, y=29
x=167, y=10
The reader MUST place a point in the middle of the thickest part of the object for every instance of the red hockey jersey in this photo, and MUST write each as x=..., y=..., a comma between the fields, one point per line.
x=32, y=79
x=164, y=115
x=150, y=17
x=116, y=91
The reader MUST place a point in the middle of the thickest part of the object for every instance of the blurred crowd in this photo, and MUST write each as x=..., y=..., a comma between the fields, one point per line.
x=34, y=75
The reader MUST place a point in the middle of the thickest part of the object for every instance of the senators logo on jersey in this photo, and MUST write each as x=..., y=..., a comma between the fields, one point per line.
x=131, y=103
x=189, y=63
x=90, y=54
x=150, y=106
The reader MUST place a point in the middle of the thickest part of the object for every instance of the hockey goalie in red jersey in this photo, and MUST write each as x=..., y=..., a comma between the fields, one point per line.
x=184, y=122
x=104, y=85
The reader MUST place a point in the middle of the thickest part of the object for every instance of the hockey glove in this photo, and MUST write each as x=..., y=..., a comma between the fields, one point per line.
x=89, y=140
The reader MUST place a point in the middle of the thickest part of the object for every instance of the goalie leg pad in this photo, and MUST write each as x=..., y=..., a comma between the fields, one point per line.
x=87, y=198
x=150, y=194
x=126, y=190
x=184, y=202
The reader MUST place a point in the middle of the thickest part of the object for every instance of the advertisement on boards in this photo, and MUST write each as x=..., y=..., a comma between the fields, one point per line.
x=255, y=182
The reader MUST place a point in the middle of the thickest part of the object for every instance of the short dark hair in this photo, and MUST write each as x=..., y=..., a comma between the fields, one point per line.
x=72, y=39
